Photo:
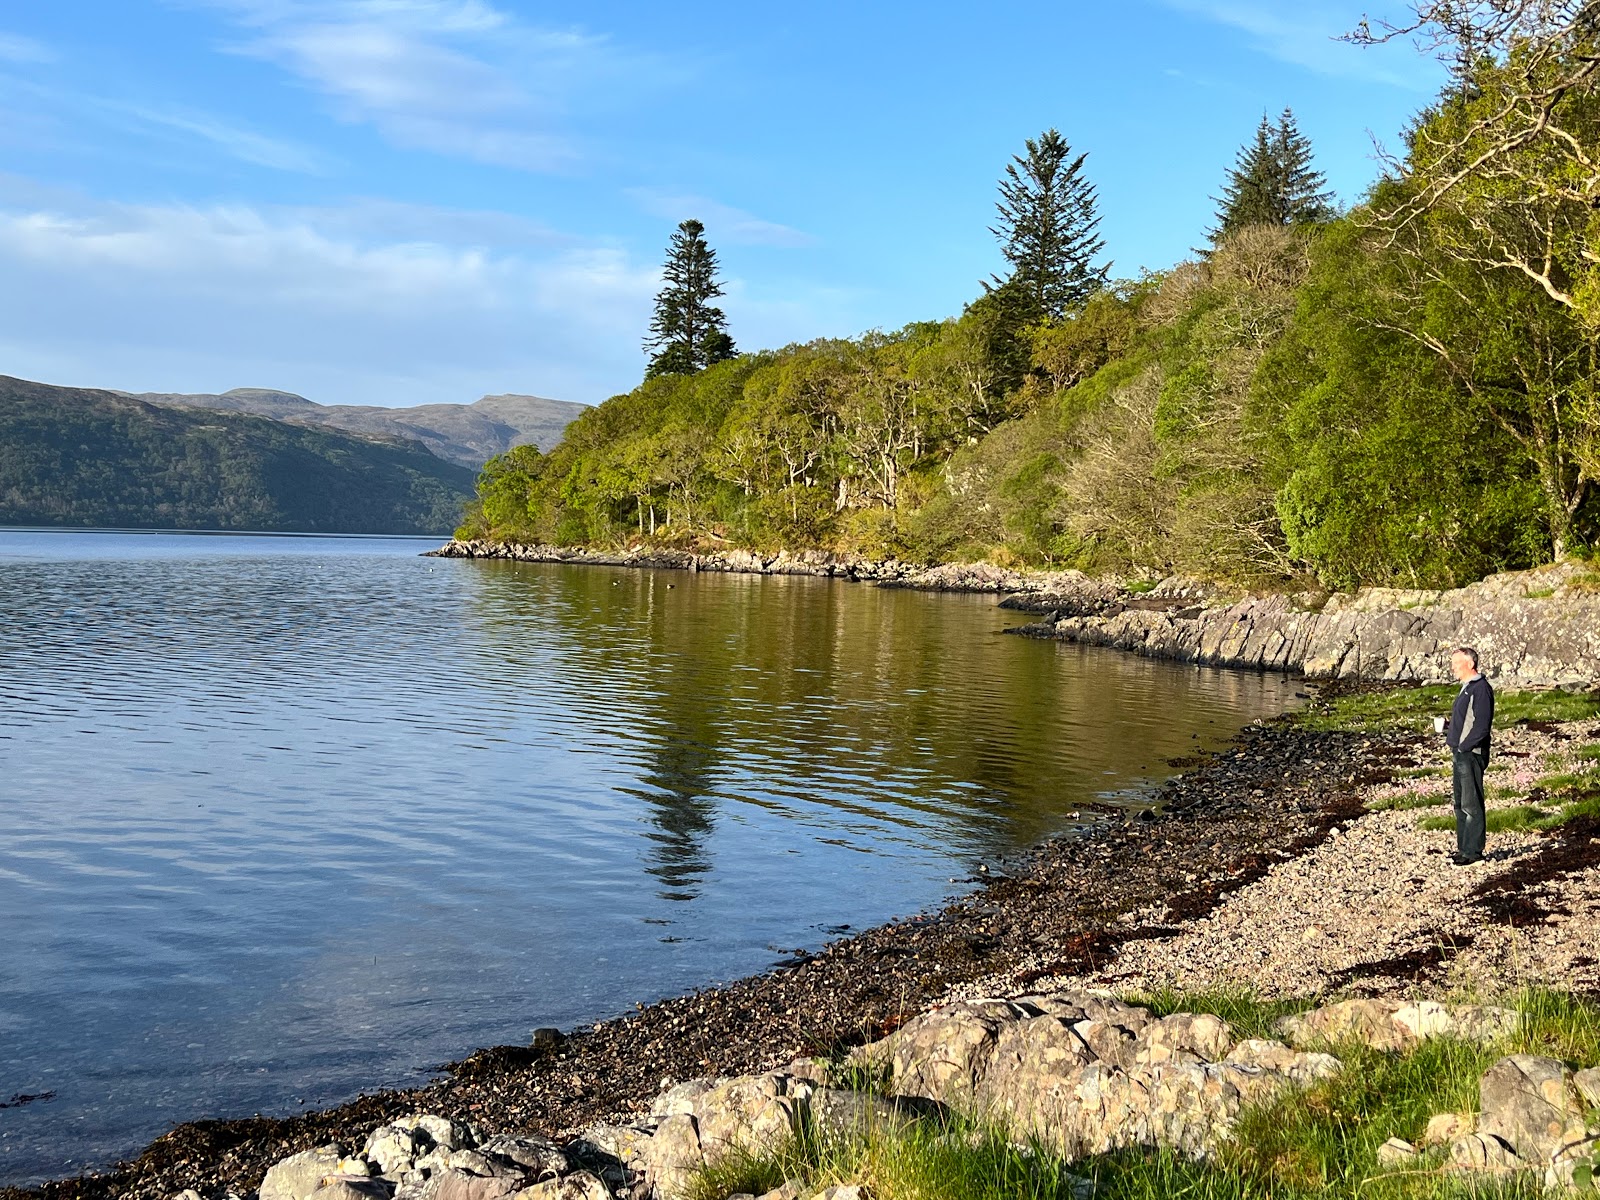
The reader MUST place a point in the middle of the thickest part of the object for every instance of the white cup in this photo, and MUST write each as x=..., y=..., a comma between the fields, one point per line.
x=1439, y=724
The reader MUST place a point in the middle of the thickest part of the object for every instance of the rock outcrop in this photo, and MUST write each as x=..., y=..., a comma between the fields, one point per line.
x=1079, y=1073
x=1088, y=593
x=1537, y=628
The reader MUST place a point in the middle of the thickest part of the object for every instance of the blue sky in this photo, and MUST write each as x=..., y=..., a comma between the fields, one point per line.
x=414, y=201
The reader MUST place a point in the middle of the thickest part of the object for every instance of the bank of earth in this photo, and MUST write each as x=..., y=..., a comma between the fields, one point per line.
x=1315, y=791
x=1538, y=628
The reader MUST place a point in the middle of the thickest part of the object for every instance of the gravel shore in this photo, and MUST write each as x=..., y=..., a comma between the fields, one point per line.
x=1376, y=909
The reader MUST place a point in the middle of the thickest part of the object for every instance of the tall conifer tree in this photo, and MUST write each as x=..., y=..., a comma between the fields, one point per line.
x=1047, y=229
x=1273, y=182
x=688, y=333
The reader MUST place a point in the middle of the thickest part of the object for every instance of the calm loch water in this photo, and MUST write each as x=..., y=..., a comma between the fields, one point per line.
x=289, y=818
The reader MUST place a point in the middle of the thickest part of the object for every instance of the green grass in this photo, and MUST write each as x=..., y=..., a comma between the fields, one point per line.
x=1403, y=803
x=1565, y=797
x=1250, y=1016
x=1414, y=708
x=1321, y=1142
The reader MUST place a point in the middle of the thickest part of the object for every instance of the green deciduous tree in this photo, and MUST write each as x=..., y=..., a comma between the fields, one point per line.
x=688, y=333
x=1048, y=228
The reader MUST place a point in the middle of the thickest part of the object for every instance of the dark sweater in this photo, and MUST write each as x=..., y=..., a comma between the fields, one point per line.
x=1470, y=717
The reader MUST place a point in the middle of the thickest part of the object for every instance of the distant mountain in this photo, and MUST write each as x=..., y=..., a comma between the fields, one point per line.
x=468, y=434
x=75, y=456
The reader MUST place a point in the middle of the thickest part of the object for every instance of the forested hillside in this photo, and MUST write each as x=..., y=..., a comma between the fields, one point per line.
x=1401, y=394
x=71, y=456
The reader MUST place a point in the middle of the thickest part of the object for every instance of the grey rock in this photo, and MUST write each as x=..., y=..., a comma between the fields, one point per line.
x=356, y=1188
x=1529, y=1103
x=536, y=1156
x=580, y=1185
x=1588, y=1084
x=1396, y=1152
x=454, y=1184
x=1483, y=1152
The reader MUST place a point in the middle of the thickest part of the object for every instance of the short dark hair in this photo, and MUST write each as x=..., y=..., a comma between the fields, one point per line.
x=1470, y=653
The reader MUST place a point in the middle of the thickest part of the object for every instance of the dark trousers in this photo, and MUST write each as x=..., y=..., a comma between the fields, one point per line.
x=1466, y=780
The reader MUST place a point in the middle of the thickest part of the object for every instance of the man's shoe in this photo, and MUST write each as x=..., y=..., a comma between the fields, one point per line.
x=1457, y=861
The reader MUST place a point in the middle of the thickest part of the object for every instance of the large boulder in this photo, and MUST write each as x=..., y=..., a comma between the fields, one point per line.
x=296, y=1177
x=1394, y=1026
x=707, y=1120
x=1530, y=1103
x=1088, y=1075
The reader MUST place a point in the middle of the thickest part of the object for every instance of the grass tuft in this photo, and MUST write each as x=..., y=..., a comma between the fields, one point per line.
x=1249, y=1015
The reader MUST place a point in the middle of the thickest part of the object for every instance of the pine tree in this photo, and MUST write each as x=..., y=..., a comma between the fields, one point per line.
x=1305, y=197
x=1273, y=182
x=688, y=333
x=1047, y=228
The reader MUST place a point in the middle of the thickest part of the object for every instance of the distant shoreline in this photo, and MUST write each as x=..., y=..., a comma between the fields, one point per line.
x=257, y=533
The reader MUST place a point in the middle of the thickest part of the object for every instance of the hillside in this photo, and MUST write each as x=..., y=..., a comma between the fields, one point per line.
x=467, y=434
x=75, y=456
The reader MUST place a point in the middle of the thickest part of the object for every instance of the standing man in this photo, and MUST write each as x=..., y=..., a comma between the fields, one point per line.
x=1466, y=732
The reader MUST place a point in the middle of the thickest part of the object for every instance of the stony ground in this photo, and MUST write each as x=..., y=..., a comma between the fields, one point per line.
x=1271, y=873
x=1377, y=909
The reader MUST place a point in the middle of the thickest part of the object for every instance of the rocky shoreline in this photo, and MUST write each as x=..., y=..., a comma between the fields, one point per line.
x=1061, y=909
x=1538, y=628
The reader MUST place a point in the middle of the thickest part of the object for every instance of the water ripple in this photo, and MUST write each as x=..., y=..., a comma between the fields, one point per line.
x=288, y=818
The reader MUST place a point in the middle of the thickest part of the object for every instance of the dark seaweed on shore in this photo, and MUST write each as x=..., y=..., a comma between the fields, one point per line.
x=1059, y=909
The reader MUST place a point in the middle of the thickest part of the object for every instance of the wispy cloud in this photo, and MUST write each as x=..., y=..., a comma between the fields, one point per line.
x=15, y=48
x=455, y=77
x=246, y=145
x=1307, y=35
x=723, y=222
x=48, y=105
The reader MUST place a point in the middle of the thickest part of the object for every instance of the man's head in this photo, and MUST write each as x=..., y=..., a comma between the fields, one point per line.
x=1464, y=662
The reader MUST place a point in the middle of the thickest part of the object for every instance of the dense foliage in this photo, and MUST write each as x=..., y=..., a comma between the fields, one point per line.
x=1405, y=394
x=75, y=457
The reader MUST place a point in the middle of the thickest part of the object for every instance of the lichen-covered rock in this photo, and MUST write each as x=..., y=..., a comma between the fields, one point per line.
x=943, y=1053
x=673, y=1156
x=296, y=1177
x=1183, y=1037
x=1393, y=1026
x=451, y=1183
x=1444, y=1128
x=1530, y=1104
x=1301, y=1067
x=1571, y=1158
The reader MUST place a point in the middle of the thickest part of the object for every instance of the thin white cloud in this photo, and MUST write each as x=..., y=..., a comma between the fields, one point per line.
x=455, y=77
x=45, y=105
x=723, y=222
x=15, y=48
x=246, y=145
x=1307, y=35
